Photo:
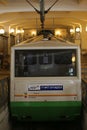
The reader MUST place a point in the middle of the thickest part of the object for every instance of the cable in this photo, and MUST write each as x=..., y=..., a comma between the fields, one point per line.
x=42, y=11
x=33, y=6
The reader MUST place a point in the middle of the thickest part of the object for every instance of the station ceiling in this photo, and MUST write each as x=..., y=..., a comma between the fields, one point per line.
x=19, y=13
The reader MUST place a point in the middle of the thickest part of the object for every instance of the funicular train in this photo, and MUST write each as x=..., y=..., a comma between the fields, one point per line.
x=45, y=81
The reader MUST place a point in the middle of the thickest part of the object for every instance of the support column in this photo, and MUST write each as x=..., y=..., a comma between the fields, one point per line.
x=83, y=37
x=17, y=36
x=7, y=29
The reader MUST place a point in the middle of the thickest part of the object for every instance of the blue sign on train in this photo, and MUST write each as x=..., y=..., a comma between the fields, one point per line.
x=51, y=87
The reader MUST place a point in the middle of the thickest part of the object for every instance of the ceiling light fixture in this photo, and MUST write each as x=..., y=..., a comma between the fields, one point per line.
x=77, y=29
x=2, y=31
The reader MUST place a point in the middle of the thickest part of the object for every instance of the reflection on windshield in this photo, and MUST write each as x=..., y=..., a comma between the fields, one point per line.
x=45, y=63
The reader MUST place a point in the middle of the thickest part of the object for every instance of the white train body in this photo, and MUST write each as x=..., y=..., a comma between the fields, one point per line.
x=45, y=72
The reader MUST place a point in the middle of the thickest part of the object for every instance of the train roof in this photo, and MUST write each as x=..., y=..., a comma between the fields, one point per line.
x=46, y=43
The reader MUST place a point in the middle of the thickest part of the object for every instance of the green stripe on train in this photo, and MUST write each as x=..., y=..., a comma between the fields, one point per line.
x=40, y=111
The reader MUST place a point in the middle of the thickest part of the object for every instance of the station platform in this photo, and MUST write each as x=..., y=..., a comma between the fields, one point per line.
x=4, y=119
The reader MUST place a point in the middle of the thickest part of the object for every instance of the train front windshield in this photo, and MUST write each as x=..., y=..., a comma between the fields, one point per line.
x=37, y=63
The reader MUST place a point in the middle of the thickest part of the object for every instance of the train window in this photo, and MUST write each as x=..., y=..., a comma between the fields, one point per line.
x=66, y=62
x=63, y=57
x=45, y=58
x=30, y=59
x=35, y=63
